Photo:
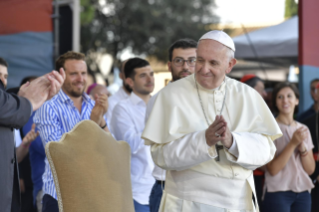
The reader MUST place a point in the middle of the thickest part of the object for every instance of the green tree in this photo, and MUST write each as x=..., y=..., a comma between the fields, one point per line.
x=147, y=26
x=291, y=8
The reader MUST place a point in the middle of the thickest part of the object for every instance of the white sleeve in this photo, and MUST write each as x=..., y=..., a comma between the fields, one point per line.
x=17, y=137
x=149, y=107
x=123, y=128
x=254, y=150
x=183, y=153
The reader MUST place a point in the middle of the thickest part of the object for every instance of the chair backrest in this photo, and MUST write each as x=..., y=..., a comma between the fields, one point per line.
x=91, y=170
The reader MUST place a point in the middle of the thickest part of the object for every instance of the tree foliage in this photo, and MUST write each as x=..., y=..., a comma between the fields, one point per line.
x=291, y=8
x=147, y=26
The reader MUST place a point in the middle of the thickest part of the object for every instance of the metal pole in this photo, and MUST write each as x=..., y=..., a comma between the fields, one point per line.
x=56, y=29
x=76, y=25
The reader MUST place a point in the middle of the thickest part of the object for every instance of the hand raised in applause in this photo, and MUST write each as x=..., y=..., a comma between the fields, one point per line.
x=29, y=137
x=99, y=109
x=42, y=88
x=298, y=137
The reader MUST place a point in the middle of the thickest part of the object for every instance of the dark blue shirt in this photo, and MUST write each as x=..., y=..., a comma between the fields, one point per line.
x=308, y=113
x=37, y=156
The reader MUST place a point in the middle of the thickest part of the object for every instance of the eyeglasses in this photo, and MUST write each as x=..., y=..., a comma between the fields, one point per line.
x=180, y=62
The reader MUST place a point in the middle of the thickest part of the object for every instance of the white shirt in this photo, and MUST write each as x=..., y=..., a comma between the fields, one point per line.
x=113, y=100
x=128, y=124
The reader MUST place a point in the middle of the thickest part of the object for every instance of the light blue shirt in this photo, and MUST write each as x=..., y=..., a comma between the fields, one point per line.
x=54, y=118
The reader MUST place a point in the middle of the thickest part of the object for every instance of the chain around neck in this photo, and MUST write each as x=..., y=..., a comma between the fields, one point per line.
x=201, y=103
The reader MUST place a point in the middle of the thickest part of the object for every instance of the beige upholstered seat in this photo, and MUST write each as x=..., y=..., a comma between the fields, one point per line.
x=91, y=171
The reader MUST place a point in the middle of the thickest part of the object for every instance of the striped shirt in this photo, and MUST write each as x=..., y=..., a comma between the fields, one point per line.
x=54, y=118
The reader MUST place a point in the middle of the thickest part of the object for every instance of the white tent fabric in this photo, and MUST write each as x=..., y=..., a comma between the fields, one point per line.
x=279, y=41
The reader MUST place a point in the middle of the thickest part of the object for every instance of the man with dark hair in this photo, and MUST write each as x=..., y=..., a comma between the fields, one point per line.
x=15, y=112
x=181, y=58
x=315, y=107
x=182, y=54
x=121, y=94
x=63, y=112
x=128, y=123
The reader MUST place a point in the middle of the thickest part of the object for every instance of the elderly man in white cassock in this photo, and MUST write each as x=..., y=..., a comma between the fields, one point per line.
x=210, y=132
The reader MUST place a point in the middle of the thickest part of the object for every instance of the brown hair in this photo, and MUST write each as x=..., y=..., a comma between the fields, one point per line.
x=276, y=90
x=70, y=55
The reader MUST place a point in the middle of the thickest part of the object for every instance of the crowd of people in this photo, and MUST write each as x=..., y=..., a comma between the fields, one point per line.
x=205, y=142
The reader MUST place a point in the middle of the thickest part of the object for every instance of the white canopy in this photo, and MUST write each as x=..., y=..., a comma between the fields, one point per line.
x=276, y=44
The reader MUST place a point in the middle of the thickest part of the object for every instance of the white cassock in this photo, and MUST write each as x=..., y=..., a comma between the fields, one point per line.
x=195, y=181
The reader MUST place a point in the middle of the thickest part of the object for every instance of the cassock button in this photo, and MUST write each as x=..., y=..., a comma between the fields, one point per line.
x=12, y=160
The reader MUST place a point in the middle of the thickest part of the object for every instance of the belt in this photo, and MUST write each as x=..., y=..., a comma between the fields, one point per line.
x=160, y=182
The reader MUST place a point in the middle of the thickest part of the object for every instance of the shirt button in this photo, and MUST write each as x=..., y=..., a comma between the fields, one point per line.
x=12, y=160
x=236, y=174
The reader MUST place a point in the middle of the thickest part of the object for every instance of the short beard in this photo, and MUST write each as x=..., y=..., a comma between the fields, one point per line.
x=76, y=94
x=178, y=76
x=127, y=87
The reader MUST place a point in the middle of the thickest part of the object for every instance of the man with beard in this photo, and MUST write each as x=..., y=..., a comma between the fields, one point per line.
x=121, y=94
x=59, y=115
x=128, y=123
x=182, y=57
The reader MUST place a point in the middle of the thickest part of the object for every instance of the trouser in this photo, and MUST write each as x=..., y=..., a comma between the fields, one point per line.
x=156, y=195
x=315, y=198
x=259, y=181
x=15, y=202
x=27, y=201
x=49, y=204
x=141, y=208
x=287, y=201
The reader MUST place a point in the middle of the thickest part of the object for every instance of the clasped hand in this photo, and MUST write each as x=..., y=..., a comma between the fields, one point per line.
x=219, y=131
x=298, y=137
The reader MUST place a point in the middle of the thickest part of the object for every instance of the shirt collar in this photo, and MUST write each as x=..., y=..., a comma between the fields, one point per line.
x=136, y=99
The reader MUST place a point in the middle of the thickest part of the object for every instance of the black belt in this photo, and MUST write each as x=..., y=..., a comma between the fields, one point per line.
x=160, y=182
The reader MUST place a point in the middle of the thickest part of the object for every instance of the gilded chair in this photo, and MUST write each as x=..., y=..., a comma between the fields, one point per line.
x=91, y=170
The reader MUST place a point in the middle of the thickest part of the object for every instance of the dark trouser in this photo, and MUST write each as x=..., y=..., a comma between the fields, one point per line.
x=259, y=182
x=27, y=201
x=287, y=201
x=141, y=208
x=156, y=196
x=315, y=198
x=15, y=202
x=49, y=204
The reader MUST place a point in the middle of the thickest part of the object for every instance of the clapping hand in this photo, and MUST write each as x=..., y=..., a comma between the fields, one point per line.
x=299, y=136
x=99, y=109
x=42, y=88
x=102, y=100
x=29, y=137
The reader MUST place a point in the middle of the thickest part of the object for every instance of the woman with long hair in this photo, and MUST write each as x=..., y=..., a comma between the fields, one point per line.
x=287, y=180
